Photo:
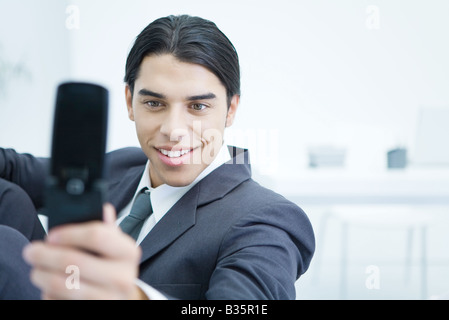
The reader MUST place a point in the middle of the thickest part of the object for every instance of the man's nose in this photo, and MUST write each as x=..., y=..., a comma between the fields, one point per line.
x=174, y=125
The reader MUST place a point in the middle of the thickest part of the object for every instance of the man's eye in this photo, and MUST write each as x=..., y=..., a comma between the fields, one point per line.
x=198, y=106
x=153, y=104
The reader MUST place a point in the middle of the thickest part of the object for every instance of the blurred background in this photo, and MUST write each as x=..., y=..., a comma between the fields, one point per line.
x=345, y=109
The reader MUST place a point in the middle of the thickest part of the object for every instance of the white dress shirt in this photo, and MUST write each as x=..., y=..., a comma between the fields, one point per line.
x=162, y=199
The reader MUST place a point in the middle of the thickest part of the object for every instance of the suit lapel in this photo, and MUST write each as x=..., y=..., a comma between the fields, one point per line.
x=173, y=224
x=182, y=216
x=222, y=180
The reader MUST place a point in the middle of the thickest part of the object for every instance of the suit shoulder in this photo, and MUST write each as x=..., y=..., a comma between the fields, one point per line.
x=258, y=194
x=263, y=204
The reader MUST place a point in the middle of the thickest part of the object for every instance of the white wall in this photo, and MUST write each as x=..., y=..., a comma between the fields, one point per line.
x=313, y=72
x=33, y=36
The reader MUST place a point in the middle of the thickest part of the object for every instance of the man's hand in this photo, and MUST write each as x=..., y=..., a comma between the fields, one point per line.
x=93, y=260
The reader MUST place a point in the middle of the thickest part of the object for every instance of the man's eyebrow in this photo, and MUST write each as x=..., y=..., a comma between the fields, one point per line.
x=146, y=92
x=205, y=96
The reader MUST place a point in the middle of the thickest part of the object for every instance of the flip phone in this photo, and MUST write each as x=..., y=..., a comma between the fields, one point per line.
x=75, y=187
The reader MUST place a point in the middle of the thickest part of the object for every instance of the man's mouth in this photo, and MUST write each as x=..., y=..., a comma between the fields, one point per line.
x=174, y=154
x=175, y=157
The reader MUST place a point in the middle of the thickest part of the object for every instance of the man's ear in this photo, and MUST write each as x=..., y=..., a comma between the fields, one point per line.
x=129, y=102
x=232, y=110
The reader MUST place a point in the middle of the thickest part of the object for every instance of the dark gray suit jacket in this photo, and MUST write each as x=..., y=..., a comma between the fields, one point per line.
x=226, y=238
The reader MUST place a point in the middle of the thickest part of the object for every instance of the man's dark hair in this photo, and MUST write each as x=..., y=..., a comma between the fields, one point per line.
x=189, y=39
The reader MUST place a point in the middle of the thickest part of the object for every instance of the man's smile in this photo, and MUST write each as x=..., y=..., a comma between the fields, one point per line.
x=176, y=156
x=174, y=153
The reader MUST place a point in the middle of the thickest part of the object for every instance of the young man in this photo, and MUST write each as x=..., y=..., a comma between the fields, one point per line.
x=211, y=231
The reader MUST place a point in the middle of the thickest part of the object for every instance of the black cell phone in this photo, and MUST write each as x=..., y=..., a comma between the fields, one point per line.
x=75, y=187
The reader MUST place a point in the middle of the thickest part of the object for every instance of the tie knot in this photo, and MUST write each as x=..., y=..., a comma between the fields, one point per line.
x=142, y=208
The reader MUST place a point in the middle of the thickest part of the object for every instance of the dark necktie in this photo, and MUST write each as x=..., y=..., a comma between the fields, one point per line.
x=141, y=210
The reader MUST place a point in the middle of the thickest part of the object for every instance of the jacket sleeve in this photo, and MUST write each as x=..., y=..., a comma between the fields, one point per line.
x=26, y=171
x=263, y=254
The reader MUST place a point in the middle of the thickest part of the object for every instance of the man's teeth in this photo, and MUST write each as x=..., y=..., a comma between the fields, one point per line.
x=174, y=154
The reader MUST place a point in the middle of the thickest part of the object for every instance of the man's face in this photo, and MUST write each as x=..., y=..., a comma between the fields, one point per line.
x=180, y=111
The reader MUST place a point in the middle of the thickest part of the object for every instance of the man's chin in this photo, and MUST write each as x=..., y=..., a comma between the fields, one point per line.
x=176, y=177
